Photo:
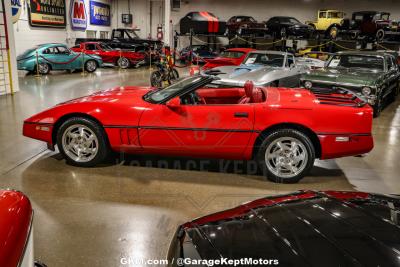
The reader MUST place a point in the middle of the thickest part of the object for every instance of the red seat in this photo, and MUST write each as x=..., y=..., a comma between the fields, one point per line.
x=252, y=94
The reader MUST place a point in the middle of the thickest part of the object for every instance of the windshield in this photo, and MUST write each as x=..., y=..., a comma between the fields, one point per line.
x=105, y=47
x=231, y=54
x=356, y=61
x=161, y=95
x=290, y=20
x=275, y=60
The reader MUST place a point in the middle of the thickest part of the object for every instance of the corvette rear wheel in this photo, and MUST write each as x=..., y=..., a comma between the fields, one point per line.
x=82, y=142
x=123, y=63
x=286, y=156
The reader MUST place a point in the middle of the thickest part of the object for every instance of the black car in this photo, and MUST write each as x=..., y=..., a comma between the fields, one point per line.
x=306, y=228
x=202, y=23
x=284, y=27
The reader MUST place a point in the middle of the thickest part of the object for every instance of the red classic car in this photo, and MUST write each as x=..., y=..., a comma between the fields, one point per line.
x=115, y=57
x=16, y=237
x=283, y=129
x=229, y=57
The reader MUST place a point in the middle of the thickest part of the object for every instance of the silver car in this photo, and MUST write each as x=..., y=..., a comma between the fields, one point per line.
x=263, y=68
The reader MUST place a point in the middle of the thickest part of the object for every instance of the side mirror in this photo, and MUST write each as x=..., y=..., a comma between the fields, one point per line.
x=174, y=103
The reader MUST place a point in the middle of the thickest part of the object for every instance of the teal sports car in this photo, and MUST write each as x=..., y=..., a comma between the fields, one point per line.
x=56, y=57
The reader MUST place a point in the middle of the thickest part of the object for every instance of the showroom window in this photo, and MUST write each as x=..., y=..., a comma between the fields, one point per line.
x=103, y=35
x=91, y=34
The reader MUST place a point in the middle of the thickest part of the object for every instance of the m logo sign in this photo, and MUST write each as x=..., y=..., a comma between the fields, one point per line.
x=78, y=15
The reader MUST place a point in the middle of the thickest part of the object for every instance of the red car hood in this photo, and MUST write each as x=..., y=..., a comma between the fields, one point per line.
x=15, y=221
x=132, y=93
x=220, y=61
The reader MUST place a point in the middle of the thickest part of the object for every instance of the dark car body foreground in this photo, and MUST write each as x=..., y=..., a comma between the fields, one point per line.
x=306, y=228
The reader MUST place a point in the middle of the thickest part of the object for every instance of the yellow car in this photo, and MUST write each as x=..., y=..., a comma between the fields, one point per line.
x=328, y=21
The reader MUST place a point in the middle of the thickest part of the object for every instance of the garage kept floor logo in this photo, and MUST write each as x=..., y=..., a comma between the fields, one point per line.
x=78, y=15
x=45, y=13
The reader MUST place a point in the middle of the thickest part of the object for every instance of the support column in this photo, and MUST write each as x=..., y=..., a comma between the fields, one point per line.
x=167, y=24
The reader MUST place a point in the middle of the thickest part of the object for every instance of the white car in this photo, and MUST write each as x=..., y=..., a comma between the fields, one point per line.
x=263, y=68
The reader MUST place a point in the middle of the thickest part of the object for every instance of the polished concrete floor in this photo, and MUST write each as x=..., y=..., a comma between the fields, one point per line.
x=130, y=207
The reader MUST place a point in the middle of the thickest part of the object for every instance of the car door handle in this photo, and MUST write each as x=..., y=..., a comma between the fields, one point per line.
x=241, y=115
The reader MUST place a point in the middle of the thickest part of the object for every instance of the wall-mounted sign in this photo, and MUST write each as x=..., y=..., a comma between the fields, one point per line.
x=100, y=14
x=78, y=15
x=45, y=13
x=126, y=18
x=16, y=8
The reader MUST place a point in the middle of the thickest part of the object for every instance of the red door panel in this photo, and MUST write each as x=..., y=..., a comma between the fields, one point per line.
x=198, y=130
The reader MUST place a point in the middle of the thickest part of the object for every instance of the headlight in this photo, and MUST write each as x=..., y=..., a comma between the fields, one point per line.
x=308, y=84
x=366, y=91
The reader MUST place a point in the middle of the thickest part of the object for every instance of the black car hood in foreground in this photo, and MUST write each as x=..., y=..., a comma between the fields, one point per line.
x=301, y=229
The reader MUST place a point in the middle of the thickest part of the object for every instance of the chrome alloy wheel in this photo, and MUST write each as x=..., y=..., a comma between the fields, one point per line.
x=286, y=157
x=80, y=143
x=43, y=68
x=123, y=63
x=91, y=66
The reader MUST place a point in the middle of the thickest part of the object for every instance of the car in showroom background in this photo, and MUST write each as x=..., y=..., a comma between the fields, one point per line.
x=114, y=57
x=372, y=75
x=283, y=132
x=228, y=57
x=263, y=68
x=47, y=57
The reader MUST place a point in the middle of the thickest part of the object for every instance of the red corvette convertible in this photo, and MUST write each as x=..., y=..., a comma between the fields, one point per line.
x=283, y=129
x=229, y=57
x=114, y=57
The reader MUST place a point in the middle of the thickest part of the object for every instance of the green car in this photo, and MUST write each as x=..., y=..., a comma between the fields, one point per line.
x=56, y=57
x=373, y=76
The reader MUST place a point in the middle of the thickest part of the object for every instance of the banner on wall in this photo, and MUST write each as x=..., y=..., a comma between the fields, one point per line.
x=100, y=14
x=45, y=13
x=78, y=15
x=16, y=8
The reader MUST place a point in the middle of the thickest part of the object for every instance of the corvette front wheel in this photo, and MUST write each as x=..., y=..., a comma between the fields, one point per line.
x=286, y=156
x=82, y=142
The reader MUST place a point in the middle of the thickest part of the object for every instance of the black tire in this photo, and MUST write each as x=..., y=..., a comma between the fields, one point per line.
x=123, y=63
x=156, y=79
x=293, y=135
x=91, y=65
x=174, y=75
x=396, y=91
x=333, y=32
x=378, y=107
x=380, y=35
x=103, y=148
x=283, y=33
x=44, y=68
